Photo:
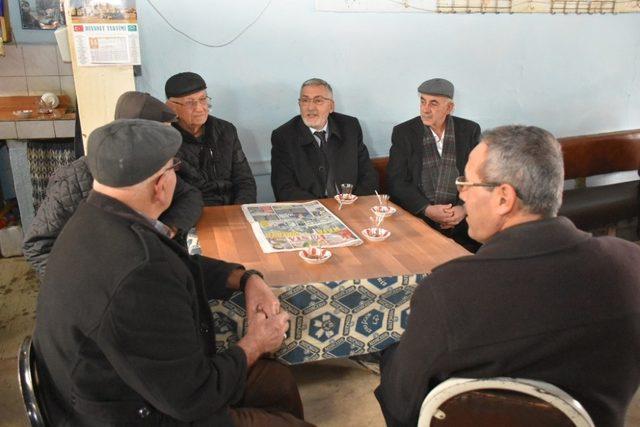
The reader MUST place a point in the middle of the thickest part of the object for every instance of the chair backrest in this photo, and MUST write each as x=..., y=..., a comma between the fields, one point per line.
x=380, y=165
x=597, y=154
x=584, y=155
x=28, y=381
x=501, y=401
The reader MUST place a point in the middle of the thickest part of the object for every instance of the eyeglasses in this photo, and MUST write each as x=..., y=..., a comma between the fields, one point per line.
x=193, y=103
x=175, y=165
x=318, y=100
x=462, y=182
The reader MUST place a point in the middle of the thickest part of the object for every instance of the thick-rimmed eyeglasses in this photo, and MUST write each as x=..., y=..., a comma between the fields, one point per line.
x=193, y=103
x=318, y=100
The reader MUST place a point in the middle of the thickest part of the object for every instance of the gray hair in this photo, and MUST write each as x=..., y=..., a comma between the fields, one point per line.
x=529, y=158
x=317, y=82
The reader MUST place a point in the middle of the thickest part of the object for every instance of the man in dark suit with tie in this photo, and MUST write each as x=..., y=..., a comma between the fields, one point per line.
x=427, y=153
x=316, y=151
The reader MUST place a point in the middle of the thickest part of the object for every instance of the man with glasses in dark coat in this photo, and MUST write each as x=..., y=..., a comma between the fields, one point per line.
x=318, y=150
x=540, y=300
x=126, y=336
x=213, y=159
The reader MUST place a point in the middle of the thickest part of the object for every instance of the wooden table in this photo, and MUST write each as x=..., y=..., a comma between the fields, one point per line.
x=412, y=248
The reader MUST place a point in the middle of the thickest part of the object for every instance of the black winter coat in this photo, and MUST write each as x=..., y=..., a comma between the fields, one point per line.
x=71, y=184
x=126, y=337
x=217, y=166
x=298, y=169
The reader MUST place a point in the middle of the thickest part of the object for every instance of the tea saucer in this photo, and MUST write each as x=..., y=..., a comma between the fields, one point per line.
x=315, y=255
x=386, y=210
x=346, y=200
x=376, y=234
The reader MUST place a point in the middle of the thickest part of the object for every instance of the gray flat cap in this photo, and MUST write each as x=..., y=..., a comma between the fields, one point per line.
x=439, y=87
x=140, y=105
x=183, y=84
x=128, y=151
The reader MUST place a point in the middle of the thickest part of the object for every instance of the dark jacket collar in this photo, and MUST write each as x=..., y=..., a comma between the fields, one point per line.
x=533, y=238
x=418, y=127
x=209, y=135
x=306, y=135
x=116, y=207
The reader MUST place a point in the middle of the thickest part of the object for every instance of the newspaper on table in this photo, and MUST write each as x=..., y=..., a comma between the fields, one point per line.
x=282, y=227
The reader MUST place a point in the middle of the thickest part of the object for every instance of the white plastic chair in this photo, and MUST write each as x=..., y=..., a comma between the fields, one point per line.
x=434, y=407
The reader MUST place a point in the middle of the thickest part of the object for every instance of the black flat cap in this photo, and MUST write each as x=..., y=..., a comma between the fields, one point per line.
x=128, y=151
x=438, y=87
x=140, y=105
x=183, y=84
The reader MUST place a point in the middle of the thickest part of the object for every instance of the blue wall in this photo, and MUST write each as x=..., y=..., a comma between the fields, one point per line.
x=570, y=74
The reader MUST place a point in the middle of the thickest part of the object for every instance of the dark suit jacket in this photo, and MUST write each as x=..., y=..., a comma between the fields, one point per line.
x=404, y=170
x=541, y=300
x=126, y=336
x=296, y=159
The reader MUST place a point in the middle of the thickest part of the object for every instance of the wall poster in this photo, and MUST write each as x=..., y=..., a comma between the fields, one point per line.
x=105, y=32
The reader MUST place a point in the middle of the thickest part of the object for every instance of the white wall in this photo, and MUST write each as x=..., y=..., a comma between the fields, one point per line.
x=570, y=74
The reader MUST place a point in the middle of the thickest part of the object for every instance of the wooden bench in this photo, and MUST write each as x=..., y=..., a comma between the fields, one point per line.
x=602, y=206
x=584, y=156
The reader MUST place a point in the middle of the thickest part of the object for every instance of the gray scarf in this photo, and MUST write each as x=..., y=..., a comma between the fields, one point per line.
x=439, y=173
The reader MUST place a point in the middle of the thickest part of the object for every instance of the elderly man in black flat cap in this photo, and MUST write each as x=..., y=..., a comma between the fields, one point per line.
x=70, y=184
x=427, y=154
x=126, y=337
x=213, y=160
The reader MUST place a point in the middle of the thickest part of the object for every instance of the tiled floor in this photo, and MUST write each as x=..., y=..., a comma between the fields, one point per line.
x=334, y=394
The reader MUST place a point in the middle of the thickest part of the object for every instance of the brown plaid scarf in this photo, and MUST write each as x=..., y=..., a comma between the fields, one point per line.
x=439, y=173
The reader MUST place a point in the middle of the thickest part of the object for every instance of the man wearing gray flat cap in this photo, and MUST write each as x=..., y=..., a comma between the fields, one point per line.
x=213, y=159
x=427, y=154
x=126, y=336
x=70, y=184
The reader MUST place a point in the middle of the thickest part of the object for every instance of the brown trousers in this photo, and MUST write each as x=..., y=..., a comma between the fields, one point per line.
x=270, y=398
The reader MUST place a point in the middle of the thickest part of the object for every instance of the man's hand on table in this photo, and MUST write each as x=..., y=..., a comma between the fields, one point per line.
x=267, y=325
x=260, y=298
x=264, y=335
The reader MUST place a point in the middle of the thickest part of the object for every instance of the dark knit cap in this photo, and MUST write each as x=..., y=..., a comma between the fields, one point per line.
x=125, y=152
x=438, y=87
x=140, y=105
x=183, y=84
